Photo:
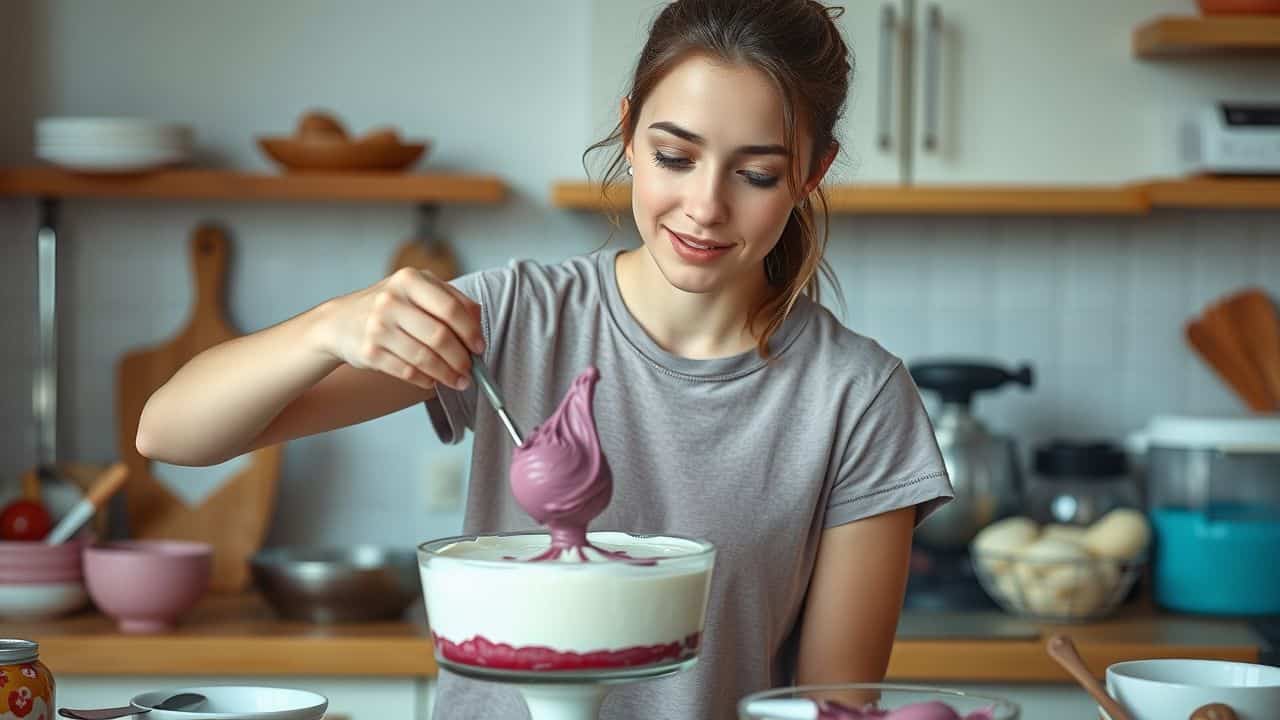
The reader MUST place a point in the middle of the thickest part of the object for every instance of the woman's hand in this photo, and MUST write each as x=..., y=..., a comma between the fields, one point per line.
x=411, y=326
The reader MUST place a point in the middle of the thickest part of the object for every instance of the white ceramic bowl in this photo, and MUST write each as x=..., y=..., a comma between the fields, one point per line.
x=238, y=702
x=1168, y=689
x=40, y=600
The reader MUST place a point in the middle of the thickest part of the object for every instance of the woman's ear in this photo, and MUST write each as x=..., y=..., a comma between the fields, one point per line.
x=624, y=115
x=819, y=172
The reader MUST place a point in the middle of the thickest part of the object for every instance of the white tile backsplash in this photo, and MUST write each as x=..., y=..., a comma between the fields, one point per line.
x=1096, y=306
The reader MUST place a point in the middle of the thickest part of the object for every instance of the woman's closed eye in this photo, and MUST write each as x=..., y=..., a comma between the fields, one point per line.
x=676, y=162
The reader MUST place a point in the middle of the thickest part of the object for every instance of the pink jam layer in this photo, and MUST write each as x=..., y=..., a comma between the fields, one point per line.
x=484, y=653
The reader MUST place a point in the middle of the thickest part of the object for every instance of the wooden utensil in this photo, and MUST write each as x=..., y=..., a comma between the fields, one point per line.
x=1062, y=650
x=1213, y=711
x=233, y=519
x=101, y=491
x=1253, y=317
x=426, y=250
x=1213, y=339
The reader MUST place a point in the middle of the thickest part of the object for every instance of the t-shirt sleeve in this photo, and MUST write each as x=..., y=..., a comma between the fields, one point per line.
x=452, y=413
x=891, y=460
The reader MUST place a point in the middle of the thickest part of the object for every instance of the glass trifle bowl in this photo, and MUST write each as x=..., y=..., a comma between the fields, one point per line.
x=625, y=608
x=872, y=701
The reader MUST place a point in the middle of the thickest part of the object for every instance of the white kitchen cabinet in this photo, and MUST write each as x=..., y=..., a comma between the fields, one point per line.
x=1034, y=92
x=975, y=92
x=350, y=698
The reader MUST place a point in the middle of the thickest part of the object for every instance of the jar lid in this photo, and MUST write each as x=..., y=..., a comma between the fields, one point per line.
x=13, y=651
x=1080, y=460
x=1241, y=434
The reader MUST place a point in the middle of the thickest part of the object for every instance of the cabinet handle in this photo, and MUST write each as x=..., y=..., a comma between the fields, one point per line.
x=932, y=57
x=888, y=38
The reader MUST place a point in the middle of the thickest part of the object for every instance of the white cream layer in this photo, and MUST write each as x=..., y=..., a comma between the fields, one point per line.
x=569, y=605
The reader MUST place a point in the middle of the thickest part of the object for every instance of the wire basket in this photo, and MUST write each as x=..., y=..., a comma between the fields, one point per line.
x=1056, y=590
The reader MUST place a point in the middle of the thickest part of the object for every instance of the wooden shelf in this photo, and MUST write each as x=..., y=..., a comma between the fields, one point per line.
x=992, y=200
x=1205, y=193
x=1215, y=193
x=1182, y=36
x=936, y=200
x=198, y=184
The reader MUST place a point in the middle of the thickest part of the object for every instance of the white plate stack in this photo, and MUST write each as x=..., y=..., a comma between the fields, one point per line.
x=112, y=144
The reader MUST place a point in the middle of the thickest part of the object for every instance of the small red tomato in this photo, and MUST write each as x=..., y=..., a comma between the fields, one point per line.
x=24, y=520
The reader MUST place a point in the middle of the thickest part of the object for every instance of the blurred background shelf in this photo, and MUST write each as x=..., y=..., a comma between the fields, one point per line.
x=197, y=184
x=1133, y=199
x=1215, y=193
x=1171, y=36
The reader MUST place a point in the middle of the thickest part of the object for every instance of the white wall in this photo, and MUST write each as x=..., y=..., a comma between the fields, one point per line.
x=504, y=86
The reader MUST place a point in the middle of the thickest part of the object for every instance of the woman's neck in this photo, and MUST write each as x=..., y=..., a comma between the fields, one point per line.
x=692, y=325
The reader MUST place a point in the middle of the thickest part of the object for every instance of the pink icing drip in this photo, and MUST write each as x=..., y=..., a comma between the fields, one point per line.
x=560, y=475
x=931, y=710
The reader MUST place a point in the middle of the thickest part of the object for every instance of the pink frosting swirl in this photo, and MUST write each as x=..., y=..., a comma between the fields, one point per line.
x=560, y=476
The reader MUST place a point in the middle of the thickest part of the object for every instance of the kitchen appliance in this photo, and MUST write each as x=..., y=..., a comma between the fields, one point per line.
x=1213, y=495
x=983, y=468
x=1231, y=138
x=1076, y=483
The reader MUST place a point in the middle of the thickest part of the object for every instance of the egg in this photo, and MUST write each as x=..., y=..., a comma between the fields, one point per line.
x=319, y=124
x=1070, y=533
x=1122, y=534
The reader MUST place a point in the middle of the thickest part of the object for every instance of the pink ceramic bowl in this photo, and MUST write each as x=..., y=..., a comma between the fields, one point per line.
x=40, y=575
x=147, y=584
x=16, y=556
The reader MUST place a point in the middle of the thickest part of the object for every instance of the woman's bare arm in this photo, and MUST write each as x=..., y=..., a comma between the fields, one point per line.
x=348, y=360
x=854, y=600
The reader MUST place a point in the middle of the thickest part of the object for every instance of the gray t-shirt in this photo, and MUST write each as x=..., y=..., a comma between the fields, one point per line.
x=758, y=458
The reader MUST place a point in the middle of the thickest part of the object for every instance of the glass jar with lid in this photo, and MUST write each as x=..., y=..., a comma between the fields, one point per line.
x=1076, y=483
x=26, y=685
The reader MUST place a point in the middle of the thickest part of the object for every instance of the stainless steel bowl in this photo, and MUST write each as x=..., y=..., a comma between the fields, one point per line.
x=328, y=585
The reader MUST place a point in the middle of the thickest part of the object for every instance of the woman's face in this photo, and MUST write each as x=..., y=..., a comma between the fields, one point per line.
x=710, y=192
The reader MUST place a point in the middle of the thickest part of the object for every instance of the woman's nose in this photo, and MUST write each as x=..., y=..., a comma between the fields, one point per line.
x=705, y=203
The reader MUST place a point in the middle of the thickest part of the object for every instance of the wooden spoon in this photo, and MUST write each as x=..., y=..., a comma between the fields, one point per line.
x=1214, y=711
x=1061, y=649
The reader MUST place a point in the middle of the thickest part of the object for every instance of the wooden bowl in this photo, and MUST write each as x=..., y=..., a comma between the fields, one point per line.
x=379, y=151
x=1239, y=7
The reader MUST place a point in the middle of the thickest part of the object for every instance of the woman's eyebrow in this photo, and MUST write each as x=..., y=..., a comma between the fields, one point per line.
x=696, y=139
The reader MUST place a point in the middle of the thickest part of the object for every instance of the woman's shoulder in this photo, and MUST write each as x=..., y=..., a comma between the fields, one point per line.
x=520, y=277
x=835, y=350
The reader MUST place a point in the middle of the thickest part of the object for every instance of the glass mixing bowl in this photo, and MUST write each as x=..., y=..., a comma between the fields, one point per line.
x=794, y=703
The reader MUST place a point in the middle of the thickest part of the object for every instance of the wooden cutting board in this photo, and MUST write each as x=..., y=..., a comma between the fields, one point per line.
x=234, y=517
x=434, y=256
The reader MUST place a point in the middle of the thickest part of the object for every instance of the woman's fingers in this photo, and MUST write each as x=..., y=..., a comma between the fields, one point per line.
x=396, y=352
x=448, y=305
x=433, y=334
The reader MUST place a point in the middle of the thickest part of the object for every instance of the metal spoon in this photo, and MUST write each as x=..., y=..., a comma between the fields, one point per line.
x=181, y=701
x=490, y=391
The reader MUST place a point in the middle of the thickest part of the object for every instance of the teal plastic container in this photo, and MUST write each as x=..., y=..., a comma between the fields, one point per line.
x=1216, y=560
x=1212, y=487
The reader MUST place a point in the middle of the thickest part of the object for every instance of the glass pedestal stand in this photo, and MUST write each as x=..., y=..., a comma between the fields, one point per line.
x=565, y=694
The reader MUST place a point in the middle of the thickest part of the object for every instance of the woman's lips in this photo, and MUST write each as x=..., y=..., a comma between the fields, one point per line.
x=693, y=250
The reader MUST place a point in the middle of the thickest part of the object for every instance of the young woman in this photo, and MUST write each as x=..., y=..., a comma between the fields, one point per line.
x=732, y=406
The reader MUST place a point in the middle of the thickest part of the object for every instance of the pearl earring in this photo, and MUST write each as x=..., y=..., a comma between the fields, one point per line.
x=630, y=170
